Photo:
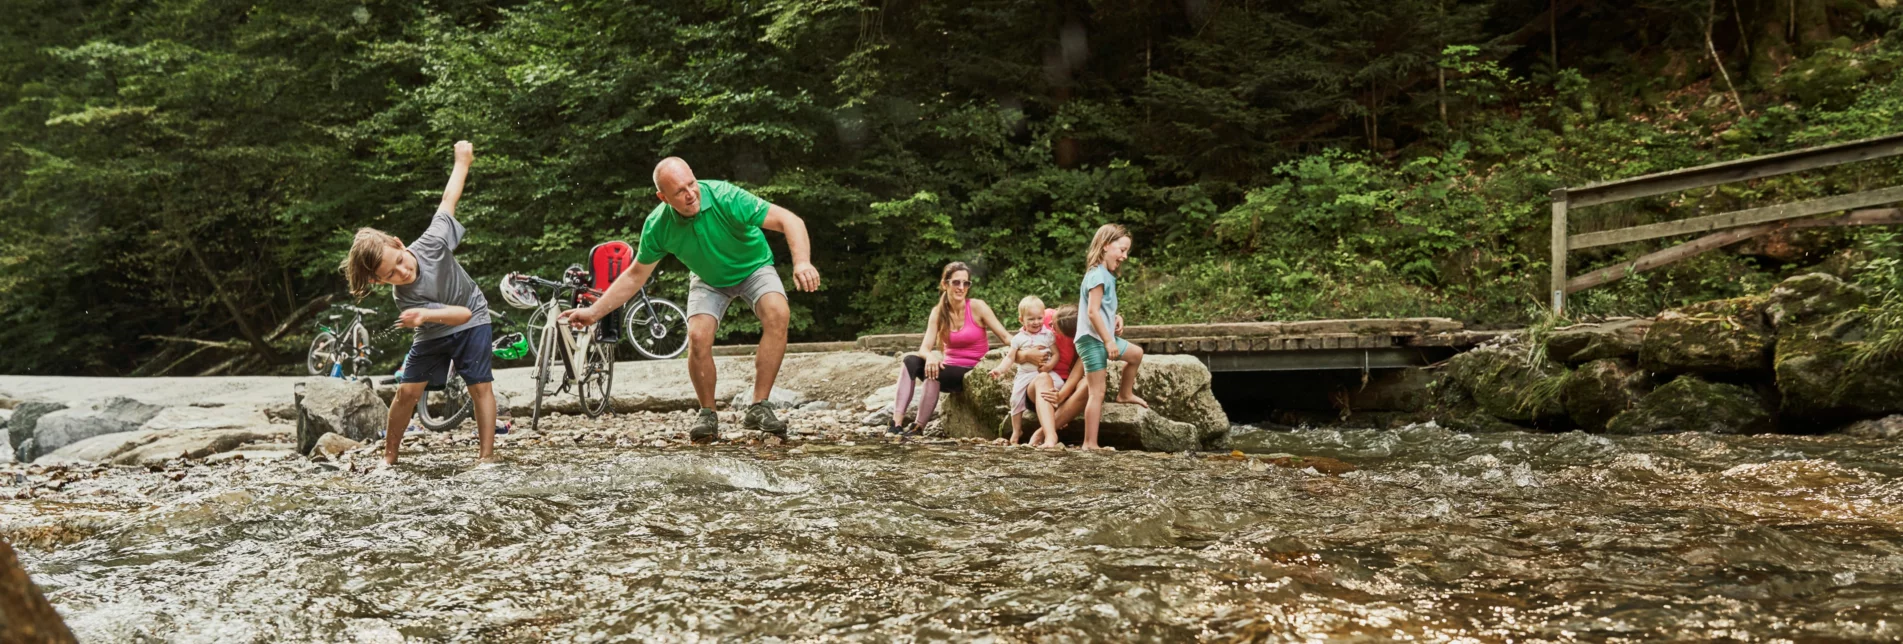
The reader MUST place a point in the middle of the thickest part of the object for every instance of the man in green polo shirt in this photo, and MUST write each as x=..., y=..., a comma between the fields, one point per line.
x=715, y=229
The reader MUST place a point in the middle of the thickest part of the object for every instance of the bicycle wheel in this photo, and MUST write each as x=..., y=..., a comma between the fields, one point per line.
x=536, y=322
x=323, y=354
x=542, y=358
x=454, y=402
x=656, y=329
x=597, y=378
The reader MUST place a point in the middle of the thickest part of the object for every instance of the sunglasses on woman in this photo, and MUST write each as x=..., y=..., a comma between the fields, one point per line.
x=961, y=283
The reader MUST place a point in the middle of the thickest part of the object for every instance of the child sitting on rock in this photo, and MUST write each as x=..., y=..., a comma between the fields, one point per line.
x=441, y=302
x=1032, y=350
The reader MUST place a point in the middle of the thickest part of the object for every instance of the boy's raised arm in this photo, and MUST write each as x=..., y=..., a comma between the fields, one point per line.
x=465, y=155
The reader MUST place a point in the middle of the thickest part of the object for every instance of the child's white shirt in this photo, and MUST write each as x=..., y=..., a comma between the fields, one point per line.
x=1043, y=338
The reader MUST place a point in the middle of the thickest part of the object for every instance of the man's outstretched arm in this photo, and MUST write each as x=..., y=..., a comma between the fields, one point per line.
x=783, y=221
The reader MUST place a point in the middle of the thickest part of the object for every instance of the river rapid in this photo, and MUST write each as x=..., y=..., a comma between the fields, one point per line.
x=1439, y=536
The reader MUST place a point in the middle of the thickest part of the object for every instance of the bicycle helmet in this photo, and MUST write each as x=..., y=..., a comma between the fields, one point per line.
x=517, y=294
x=511, y=346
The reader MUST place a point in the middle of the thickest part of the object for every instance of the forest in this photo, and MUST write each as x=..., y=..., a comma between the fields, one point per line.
x=180, y=178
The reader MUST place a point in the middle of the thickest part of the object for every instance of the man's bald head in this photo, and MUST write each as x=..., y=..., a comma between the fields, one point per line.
x=674, y=183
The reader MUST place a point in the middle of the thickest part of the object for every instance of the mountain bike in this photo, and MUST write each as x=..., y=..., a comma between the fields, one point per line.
x=654, y=327
x=344, y=353
x=586, y=363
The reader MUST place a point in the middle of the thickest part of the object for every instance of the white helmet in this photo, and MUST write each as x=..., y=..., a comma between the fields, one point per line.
x=518, y=294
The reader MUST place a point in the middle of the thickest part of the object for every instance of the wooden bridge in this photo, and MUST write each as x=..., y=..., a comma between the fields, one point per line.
x=1253, y=346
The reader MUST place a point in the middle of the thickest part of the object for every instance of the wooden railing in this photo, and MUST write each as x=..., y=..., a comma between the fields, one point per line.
x=1737, y=225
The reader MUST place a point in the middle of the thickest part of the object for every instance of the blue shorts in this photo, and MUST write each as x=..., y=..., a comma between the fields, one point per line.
x=1095, y=356
x=469, y=349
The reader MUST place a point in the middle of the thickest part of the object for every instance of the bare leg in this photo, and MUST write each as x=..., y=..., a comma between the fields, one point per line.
x=484, y=397
x=927, y=404
x=1126, y=391
x=1070, y=408
x=1046, y=413
x=904, y=399
x=1093, y=407
x=401, y=407
x=700, y=357
x=1017, y=427
x=773, y=313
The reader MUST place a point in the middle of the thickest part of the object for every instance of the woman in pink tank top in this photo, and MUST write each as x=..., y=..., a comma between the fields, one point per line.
x=954, y=343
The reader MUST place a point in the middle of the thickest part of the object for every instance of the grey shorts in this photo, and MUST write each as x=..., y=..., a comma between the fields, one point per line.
x=707, y=300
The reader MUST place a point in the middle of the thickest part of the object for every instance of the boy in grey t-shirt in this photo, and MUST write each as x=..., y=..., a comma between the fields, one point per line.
x=441, y=302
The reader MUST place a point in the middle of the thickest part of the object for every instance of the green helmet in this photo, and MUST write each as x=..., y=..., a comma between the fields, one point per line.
x=512, y=346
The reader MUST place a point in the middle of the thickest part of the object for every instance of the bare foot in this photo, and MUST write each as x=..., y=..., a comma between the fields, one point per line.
x=1097, y=448
x=1000, y=441
x=1052, y=445
x=489, y=460
x=1132, y=399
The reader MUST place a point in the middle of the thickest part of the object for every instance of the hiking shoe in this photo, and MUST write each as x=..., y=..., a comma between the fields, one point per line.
x=895, y=430
x=706, y=428
x=760, y=417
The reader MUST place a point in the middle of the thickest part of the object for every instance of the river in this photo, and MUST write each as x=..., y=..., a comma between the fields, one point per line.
x=1439, y=535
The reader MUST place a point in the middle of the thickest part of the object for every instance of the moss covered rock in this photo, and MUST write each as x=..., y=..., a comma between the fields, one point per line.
x=1602, y=389
x=1582, y=343
x=1820, y=388
x=1183, y=410
x=1721, y=336
x=1692, y=404
x=1810, y=299
x=1501, y=382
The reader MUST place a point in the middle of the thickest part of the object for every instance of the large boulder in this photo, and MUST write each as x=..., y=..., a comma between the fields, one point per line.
x=1501, y=381
x=150, y=446
x=1886, y=427
x=1582, y=343
x=26, y=416
x=1721, y=336
x=330, y=405
x=74, y=424
x=1176, y=386
x=1821, y=388
x=188, y=418
x=1810, y=298
x=1599, y=390
x=1692, y=404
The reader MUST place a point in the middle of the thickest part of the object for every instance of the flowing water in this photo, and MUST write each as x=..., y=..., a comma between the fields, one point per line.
x=1438, y=536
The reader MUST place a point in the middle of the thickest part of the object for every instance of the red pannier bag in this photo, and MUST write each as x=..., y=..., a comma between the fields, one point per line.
x=606, y=261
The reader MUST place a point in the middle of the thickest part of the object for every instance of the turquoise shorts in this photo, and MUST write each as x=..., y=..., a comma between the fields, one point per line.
x=1091, y=351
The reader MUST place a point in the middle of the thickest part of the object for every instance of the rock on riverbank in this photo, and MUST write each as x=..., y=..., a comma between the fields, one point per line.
x=1781, y=361
x=1183, y=413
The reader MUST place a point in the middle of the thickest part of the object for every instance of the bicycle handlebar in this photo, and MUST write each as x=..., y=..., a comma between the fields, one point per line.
x=357, y=309
x=554, y=284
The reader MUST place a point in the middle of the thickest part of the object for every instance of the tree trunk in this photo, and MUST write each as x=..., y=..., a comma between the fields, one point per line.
x=1811, y=20
x=1772, y=51
x=237, y=313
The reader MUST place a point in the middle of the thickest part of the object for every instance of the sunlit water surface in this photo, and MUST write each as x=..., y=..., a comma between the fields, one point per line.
x=1440, y=535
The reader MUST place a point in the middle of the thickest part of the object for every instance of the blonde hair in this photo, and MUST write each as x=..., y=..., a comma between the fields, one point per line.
x=1029, y=301
x=365, y=257
x=1106, y=235
x=943, y=330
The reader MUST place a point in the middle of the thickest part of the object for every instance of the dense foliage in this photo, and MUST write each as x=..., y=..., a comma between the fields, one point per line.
x=178, y=179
